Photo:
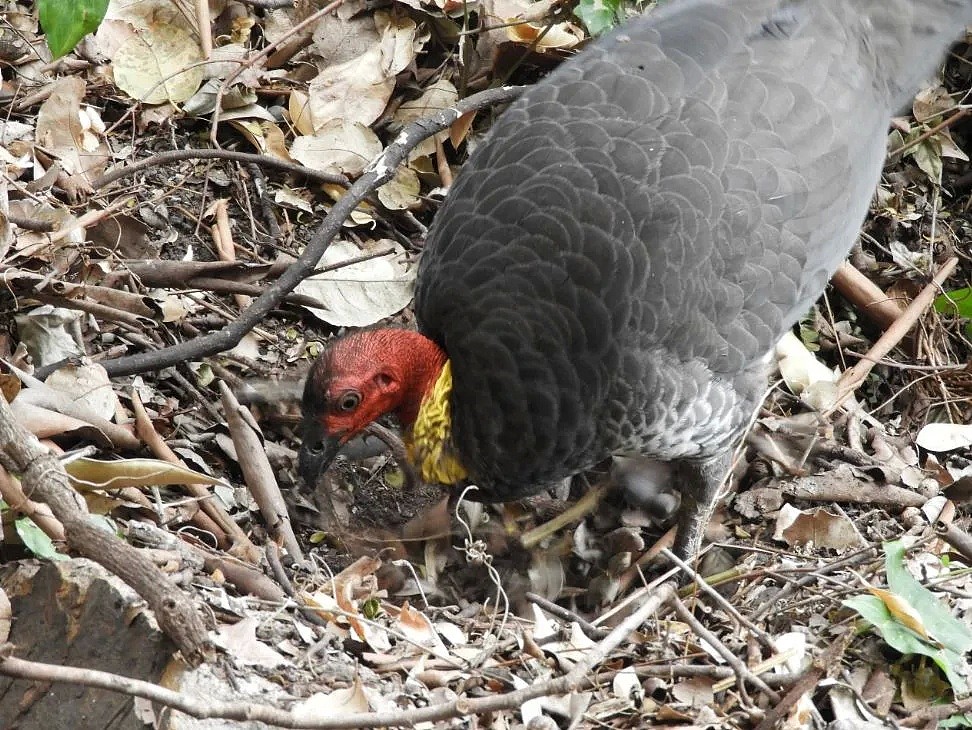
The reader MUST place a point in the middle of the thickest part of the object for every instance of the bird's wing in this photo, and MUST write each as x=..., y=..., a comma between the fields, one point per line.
x=641, y=227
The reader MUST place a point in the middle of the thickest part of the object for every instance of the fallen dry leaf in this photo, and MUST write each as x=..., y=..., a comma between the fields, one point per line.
x=338, y=146
x=159, y=64
x=363, y=293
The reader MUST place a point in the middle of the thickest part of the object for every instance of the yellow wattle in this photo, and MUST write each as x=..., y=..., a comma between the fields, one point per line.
x=429, y=442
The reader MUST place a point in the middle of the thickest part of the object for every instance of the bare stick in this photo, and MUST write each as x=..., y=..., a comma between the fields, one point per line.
x=854, y=376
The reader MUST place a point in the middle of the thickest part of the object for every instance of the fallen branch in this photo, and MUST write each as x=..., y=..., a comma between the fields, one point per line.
x=43, y=477
x=380, y=171
x=204, y=708
x=743, y=673
x=170, y=156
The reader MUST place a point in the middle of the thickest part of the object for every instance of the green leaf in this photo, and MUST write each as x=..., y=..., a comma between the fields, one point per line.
x=904, y=640
x=65, y=22
x=599, y=15
x=938, y=620
x=36, y=540
x=105, y=523
x=957, y=302
x=898, y=636
x=810, y=338
x=395, y=478
x=928, y=155
x=949, y=638
x=956, y=721
x=371, y=608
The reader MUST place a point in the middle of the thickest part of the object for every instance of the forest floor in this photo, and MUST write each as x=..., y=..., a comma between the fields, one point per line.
x=156, y=321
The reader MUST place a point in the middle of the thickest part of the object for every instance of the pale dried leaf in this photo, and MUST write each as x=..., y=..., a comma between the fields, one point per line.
x=247, y=347
x=240, y=642
x=338, y=146
x=61, y=132
x=338, y=40
x=949, y=148
x=417, y=627
x=398, y=41
x=46, y=332
x=626, y=685
x=816, y=527
x=559, y=35
x=43, y=422
x=362, y=215
x=451, y=633
x=543, y=627
x=11, y=131
x=299, y=108
x=363, y=293
x=547, y=574
x=402, y=191
x=275, y=142
x=89, y=387
x=459, y=129
x=694, y=691
x=237, y=102
x=440, y=95
x=355, y=91
x=794, y=645
x=111, y=35
x=6, y=616
x=261, y=135
x=531, y=711
x=159, y=64
x=226, y=60
x=96, y=474
x=320, y=706
x=293, y=199
x=799, y=367
x=175, y=307
x=930, y=103
x=940, y=437
x=141, y=13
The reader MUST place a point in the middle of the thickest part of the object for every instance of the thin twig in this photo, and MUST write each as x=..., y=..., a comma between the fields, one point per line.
x=742, y=671
x=717, y=597
x=854, y=376
x=170, y=156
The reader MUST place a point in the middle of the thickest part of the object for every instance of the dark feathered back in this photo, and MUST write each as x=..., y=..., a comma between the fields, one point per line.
x=615, y=263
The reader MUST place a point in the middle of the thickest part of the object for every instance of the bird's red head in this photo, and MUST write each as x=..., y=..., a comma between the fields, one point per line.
x=358, y=379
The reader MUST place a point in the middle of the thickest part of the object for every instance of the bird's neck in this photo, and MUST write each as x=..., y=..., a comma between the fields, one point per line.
x=425, y=408
x=421, y=361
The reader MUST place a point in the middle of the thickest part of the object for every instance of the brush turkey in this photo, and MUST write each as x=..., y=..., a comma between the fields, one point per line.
x=614, y=264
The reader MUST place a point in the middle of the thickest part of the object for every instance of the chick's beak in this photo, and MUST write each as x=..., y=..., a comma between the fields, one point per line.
x=316, y=452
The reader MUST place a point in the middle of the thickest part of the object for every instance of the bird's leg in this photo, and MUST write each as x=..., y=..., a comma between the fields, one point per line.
x=647, y=483
x=699, y=483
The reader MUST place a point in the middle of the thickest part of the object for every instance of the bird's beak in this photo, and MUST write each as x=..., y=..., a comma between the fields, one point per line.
x=316, y=452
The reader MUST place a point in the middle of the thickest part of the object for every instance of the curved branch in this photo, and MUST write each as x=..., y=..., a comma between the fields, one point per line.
x=164, y=158
x=377, y=173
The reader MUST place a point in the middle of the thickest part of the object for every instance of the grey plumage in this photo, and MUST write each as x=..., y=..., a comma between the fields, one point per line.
x=614, y=264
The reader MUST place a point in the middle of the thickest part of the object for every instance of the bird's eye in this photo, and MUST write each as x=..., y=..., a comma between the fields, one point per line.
x=349, y=401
